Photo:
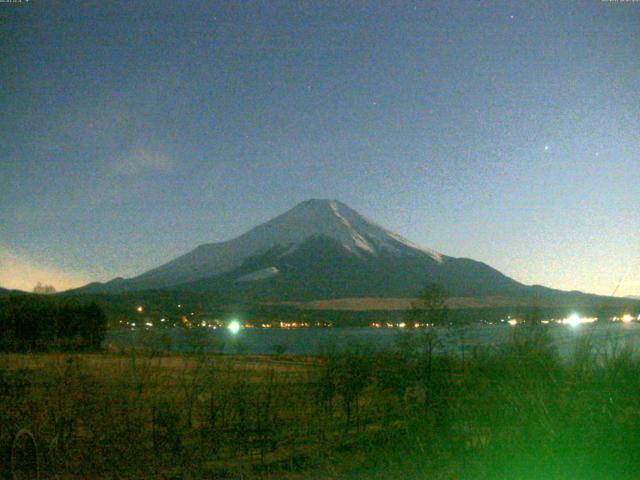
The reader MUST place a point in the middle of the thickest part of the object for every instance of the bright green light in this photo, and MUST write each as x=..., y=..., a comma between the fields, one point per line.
x=574, y=320
x=234, y=326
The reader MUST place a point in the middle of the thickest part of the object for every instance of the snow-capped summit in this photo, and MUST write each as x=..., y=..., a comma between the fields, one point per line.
x=331, y=219
x=314, y=218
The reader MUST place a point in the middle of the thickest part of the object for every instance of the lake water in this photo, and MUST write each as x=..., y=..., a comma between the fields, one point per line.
x=319, y=340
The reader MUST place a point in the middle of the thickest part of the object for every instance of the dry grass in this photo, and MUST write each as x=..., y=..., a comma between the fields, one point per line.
x=517, y=412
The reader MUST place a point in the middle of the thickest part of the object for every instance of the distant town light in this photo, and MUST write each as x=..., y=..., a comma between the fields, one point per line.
x=513, y=322
x=139, y=309
x=234, y=326
x=627, y=318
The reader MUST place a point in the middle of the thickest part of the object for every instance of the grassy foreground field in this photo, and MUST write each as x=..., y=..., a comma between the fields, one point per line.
x=517, y=412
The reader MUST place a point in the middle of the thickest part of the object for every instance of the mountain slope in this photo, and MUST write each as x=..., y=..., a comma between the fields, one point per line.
x=312, y=218
x=322, y=268
x=320, y=249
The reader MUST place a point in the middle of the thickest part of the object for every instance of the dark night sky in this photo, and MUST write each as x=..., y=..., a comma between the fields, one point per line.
x=131, y=132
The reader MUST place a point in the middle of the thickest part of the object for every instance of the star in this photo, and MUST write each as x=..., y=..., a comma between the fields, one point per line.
x=546, y=148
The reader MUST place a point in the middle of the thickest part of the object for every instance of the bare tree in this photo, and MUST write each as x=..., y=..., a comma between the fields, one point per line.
x=431, y=306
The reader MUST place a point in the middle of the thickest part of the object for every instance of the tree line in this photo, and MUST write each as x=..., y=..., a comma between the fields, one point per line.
x=33, y=322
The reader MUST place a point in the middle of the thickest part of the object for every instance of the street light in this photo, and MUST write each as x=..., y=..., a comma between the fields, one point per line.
x=234, y=326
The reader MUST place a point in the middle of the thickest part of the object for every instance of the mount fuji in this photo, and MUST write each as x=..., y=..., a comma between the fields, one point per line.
x=318, y=250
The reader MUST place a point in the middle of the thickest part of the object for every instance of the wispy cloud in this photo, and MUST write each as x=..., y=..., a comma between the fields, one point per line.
x=142, y=160
x=114, y=131
x=19, y=271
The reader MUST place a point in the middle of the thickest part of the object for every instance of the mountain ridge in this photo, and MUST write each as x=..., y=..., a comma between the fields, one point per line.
x=320, y=250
